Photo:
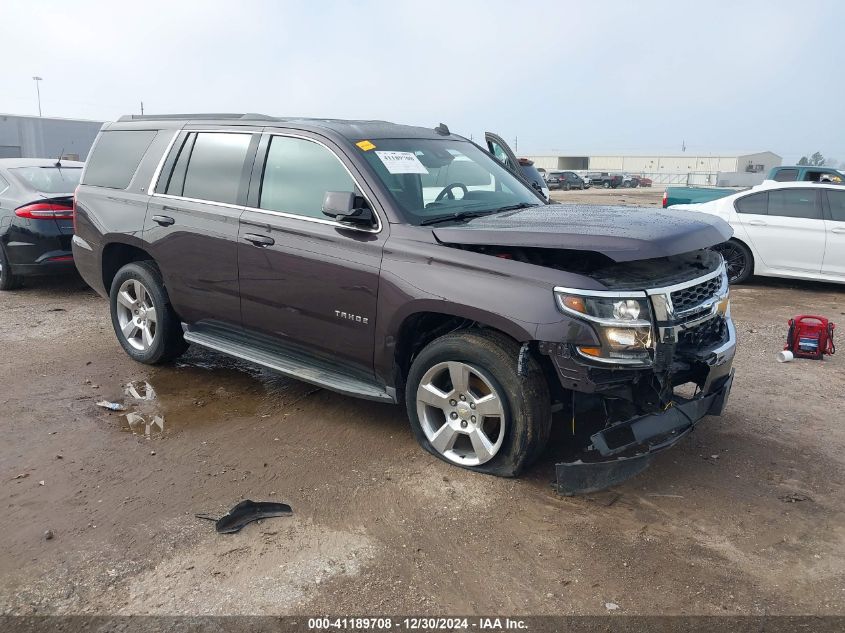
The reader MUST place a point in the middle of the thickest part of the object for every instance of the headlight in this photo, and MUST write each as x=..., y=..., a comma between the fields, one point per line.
x=621, y=321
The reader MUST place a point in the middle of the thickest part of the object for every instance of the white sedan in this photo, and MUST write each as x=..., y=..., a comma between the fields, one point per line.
x=783, y=229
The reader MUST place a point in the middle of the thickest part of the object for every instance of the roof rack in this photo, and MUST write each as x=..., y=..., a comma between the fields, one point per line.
x=200, y=116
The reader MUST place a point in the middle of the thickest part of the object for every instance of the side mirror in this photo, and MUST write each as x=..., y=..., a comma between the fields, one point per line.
x=340, y=205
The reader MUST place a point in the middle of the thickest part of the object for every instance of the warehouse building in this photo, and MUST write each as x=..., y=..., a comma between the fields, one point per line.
x=44, y=137
x=667, y=169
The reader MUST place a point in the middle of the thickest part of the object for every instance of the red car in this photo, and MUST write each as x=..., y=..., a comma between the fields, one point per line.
x=645, y=182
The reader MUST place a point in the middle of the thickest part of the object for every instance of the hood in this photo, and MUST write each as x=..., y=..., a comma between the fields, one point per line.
x=621, y=233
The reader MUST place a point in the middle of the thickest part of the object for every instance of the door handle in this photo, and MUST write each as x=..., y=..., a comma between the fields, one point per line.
x=757, y=223
x=837, y=230
x=163, y=220
x=259, y=240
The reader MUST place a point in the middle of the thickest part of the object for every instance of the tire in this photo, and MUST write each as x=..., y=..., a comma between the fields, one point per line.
x=738, y=259
x=516, y=430
x=581, y=186
x=566, y=186
x=149, y=337
x=606, y=184
x=8, y=281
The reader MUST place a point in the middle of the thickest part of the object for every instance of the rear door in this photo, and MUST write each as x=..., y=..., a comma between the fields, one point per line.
x=834, y=255
x=306, y=279
x=786, y=228
x=192, y=222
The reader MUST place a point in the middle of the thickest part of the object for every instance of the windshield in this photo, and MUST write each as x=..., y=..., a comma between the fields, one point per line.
x=49, y=179
x=433, y=178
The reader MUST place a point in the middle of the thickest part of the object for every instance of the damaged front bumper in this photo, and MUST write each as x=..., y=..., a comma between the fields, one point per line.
x=627, y=448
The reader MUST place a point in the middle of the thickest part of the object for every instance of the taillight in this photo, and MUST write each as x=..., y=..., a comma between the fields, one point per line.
x=665, y=198
x=45, y=211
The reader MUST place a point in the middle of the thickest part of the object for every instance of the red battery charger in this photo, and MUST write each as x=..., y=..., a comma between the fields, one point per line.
x=810, y=337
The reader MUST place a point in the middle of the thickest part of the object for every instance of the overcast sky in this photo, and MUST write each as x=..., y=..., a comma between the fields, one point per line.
x=570, y=76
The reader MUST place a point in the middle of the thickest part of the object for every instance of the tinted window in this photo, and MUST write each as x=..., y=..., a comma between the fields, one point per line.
x=755, y=203
x=786, y=175
x=116, y=157
x=836, y=199
x=4, y=184
x=48, y=179
x=297, y=176
x=214, y=167
x=532, y=175
x=795, y=203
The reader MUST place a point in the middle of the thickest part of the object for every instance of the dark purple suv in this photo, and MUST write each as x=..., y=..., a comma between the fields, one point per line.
x=409, y=265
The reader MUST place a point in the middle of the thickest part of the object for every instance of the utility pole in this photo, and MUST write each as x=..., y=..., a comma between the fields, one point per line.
x=142, y=108
x=516, y=143
x=38, y=92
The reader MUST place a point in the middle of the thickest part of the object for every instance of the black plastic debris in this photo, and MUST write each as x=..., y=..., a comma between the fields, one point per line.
x=246, y=512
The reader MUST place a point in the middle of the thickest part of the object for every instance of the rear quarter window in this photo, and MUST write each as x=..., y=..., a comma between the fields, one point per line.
x=755, y=204
x=116, y=156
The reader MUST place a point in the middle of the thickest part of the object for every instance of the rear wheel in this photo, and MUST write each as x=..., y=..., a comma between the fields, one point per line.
x=469, y=404
x=606, y=184
x=566, y=186
x=8, y=281
x=143, y=320
x=738, y=260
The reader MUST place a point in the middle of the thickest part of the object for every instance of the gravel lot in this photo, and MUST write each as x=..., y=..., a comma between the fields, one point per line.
x=744, y=517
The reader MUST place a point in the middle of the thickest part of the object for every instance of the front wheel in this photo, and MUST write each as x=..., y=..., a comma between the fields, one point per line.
x=475, y=400
x=143, y=320
x=738, y=260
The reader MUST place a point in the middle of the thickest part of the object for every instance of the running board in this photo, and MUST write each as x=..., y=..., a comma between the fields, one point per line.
x=289, y=361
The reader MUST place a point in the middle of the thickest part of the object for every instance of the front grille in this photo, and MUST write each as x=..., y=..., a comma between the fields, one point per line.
x=704, y=335
x=688, y=298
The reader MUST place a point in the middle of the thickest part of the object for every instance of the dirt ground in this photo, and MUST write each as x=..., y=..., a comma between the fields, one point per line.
x=744, y=517
x=639, y=197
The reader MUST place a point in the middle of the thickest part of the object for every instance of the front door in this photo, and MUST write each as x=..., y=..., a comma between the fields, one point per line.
x=786, y=228
x=834, y=254
x=305, y=278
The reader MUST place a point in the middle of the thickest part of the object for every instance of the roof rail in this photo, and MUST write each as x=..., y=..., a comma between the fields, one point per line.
x=167, y=117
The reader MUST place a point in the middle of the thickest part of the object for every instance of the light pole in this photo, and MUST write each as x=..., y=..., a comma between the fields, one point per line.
x=38, y=92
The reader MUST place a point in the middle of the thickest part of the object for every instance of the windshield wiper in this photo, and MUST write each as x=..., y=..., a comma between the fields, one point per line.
x=455, y=217
x=515, y=207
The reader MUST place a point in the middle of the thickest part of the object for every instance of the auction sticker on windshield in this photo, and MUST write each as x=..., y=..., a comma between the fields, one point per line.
x=402, y=162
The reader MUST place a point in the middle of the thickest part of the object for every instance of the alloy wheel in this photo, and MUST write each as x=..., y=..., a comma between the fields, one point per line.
x=461, y=413
x=137, y=315
x=735, y=260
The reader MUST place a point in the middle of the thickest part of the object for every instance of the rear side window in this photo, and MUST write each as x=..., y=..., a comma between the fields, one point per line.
x=836, y=199
x=116, y=156
x=795, y=203
x=214, y=170
x=297, y=175
x=755, y=203
x=786, y=175
x=4, y=184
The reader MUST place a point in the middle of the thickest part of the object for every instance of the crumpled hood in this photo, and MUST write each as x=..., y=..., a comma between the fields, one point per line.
x=621, y=233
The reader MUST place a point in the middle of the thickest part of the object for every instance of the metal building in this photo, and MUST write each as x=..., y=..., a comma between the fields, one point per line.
x=44, y=137
x=675, y=168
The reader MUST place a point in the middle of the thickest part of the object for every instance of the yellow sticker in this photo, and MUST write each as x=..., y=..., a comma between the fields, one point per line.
x=365, y=145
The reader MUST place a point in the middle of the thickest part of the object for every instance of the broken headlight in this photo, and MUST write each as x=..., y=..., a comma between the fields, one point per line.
x=622, y=322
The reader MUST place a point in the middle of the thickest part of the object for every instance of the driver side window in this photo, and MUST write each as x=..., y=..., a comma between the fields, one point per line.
x=297, y=175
